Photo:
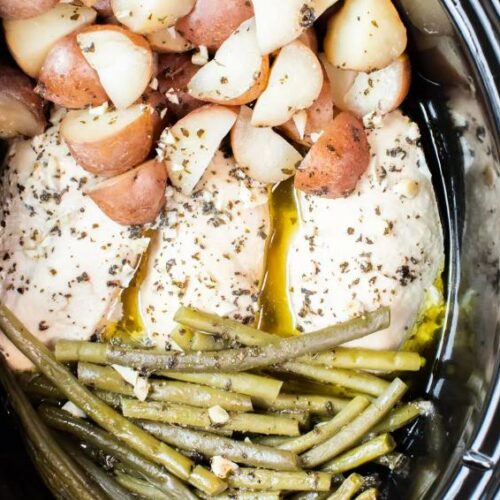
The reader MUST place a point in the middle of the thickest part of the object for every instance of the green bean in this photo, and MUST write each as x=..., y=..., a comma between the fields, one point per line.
x=369, y=494
x=111, y=398
x=302, y=417
x=46, y=449
x=37, y=385
x=397, y=418
x=107, y=442
x=263, y=390
x=272, y=441
x=348, y=488
x=188, y=340
x=357, y=428
x=362, y=454
x=182, y=336
x=198, y=417
x=107, y=379
x=242, y=359
x=140, y=487
x=367, y=359
x=325, y=431
x=316, y=405
x=357, y=381
x=303, y=386
x=262, y=479
x=311, y=495
x=94, y=407
x=248, y=495
x=211, y=445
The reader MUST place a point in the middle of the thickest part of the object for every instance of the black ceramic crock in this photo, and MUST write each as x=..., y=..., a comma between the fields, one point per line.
x=455, y=99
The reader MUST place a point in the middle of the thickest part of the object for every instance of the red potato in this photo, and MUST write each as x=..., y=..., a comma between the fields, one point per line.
x=211, y=22
x=157, y=103
x=111, y=142
x=67, y=79
x=123, y=61
x=30, y=40
x=135, y=197
x=168, y=40
x=15, y=9
x=238, y=74
x=174, y=73
x=338, y=159
x=21, y=110
x=103, y=7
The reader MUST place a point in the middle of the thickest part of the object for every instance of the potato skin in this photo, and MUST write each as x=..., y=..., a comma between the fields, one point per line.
x=135, y=197
x=67, y=79
x=211, y=22
x=174, y=73
x=23, y=9
x=337, y=160
x=15, y=84
x=118, y=153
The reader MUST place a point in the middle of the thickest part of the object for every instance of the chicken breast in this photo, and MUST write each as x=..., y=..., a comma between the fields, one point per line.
x=64, y=263
x=209, y=252
x=381, y=245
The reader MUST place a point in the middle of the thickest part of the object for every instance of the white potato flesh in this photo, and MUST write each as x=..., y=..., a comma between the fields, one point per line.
x=279, y=22
x=188, y=147
x=124, y=68
x=262, y=153
x=235, y=69
x=168, y=40
x=380, y=246
x=17, y=119
x=64, y=260
x=148, y=16
x=30, y=40
x=209, y=252
x=294, y=84
x=85, y=126
x=365, y=35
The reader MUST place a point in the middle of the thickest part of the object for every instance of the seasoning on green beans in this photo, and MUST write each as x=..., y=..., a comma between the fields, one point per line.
x=348, y=488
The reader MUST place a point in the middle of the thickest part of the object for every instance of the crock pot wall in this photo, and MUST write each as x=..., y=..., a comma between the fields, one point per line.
x=454, y=102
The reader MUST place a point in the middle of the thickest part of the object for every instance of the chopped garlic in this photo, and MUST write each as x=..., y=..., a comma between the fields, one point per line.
x=163, y=113
x=218, y=415
x=315, y=136
x=300, y=121
x=408, y=188
x=154, y=84
x=99, y=110
x=128, y=374
x=172, y=96
x=141, y=388
x=73, y=410
x=372, y=120
x=200, y=57
x=222, y=467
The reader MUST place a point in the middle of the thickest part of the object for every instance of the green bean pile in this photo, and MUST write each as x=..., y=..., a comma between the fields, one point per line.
x=236, y=414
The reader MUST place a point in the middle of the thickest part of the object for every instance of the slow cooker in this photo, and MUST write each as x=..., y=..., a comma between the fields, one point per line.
x=455, y=100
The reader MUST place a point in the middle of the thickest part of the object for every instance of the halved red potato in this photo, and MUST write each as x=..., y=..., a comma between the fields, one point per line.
x=365, y=35
x=21, y=110
x=67, y=79
x=14, y=9
x=310, y=122
x=122, y=59
x=153, y=15
x=29, y=40
x=237, y=74
x=174, y=74
x=211, y=22
x=135, y=197
x=109, y=143
x=294, y=84
x=334, y=164
x=261, y=152
x=188, y=147
x=168, y=40
x=279, y=23
x=380, y=91
x=158, y=108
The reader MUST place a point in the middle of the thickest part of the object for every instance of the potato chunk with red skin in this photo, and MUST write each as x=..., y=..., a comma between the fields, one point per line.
x=337, y=160
x=16, y=9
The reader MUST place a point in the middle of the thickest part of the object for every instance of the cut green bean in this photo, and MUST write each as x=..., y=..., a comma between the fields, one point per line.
x=362, y=454
x=367, y=359
x=303, y=386
x=357, y=428
x=325, y=431
x=211, y=445
x=107, y=379
x=310, y=495
x=316, y=405
x=44, y=446
x=239, y=360
x=140, y=487
x=188, y=340
x=272, y=441
x=182, y=336
x=357, y=381
x=397, y=418
x=369, y=494
x=37, y=385
x=94, y=407
x=262, y=389
x=348, y=488
x=302, y=417
x=198, y=417
x=262, y=479
x=248, y=495
x=107, y=442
